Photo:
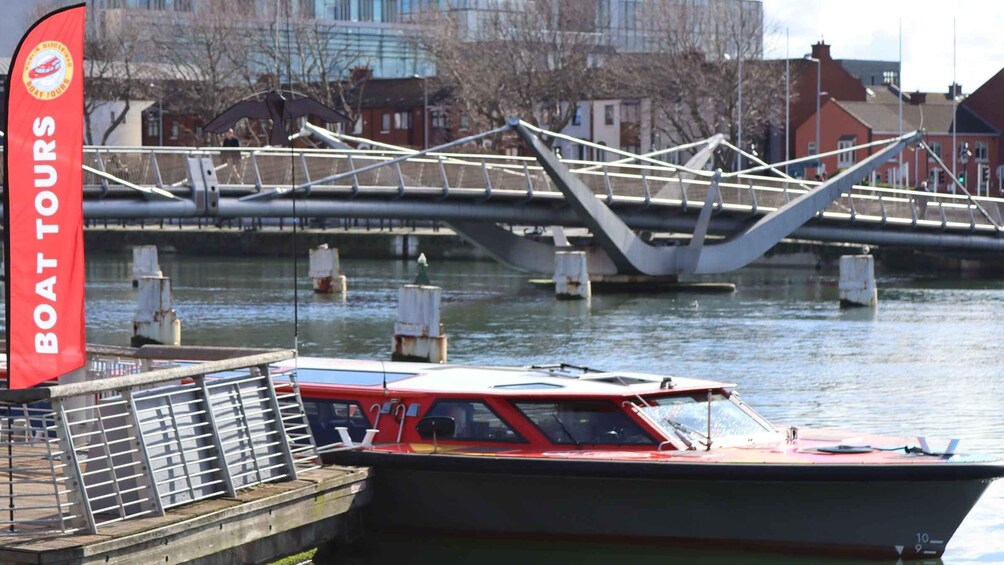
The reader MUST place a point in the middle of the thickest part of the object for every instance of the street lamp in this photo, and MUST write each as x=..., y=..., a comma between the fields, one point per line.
x=739, y=126
x=160, y=118
x=819, y=94
x=425, y=110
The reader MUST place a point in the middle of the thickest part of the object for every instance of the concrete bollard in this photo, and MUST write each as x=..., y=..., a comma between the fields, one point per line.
x=155, y=320
x=326, y=271
x=418, y=333
x=404, y=246
x=857, y=281
x=144, y=263
x=571, y=275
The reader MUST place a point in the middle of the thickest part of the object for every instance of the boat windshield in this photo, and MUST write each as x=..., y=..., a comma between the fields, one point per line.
x=686, y=417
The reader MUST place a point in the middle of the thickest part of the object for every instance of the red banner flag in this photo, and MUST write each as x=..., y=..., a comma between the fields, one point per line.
x=43, y=201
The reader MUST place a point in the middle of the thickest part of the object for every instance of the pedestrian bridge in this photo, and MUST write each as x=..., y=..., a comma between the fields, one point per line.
x=646, y=215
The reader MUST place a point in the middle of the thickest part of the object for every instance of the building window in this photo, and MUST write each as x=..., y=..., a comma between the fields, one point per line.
x=338, y=10
x=402, y=120
x=465, y=122
x=811, y=148
x=631, y=148
x=175, y=130
x=440, y=119
x=385, y=123
x=389, y=11
x=890, y=77
x=577, y=116
x=608, y=114
x=183, y=6
x=156, y=4
x=631, y=113
x=981, y=150
x=306, y=9
x=152, y=125
x=366, y=10
x=847, y=158
x=934, y=150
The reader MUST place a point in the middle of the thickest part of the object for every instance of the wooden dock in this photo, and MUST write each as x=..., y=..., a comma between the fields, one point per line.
x=257, y=526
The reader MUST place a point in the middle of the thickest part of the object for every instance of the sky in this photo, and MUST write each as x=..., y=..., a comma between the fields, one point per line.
x=869, y=29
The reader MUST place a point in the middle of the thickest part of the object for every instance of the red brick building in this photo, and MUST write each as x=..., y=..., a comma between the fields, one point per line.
x=853, y=114
x=847, y=124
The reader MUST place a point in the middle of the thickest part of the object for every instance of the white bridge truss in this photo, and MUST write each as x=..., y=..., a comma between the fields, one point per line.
x=720, y=221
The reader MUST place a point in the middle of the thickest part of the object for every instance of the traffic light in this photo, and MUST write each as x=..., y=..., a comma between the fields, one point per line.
x=941, y=177
x=962, y=179
x=986, y=175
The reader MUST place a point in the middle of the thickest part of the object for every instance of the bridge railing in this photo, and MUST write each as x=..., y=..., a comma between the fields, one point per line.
x=484, y=175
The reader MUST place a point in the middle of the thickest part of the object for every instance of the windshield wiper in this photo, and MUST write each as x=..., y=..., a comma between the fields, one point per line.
x=687, y=434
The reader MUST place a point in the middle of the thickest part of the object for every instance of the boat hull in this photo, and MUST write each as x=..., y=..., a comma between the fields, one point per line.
x=909, y=514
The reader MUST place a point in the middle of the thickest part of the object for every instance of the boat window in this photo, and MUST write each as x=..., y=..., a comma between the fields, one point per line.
x=687, y=415
x=580, y=422
x=474, y=420
x=325, y=415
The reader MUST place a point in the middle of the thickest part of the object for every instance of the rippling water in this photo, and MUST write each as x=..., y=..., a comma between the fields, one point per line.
x=928, y=361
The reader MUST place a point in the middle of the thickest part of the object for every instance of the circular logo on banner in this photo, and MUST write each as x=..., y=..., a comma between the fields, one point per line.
x=48, y=70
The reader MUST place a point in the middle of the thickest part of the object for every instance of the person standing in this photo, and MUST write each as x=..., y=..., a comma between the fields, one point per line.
x=921, y=199
x=232, y=156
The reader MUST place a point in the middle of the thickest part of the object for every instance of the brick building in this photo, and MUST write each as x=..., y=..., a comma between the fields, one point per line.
x=853, y=113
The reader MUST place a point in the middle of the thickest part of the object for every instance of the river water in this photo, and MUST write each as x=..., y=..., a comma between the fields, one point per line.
x=928, y=361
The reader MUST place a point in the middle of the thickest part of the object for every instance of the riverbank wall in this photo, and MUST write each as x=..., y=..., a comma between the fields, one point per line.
x=375, y=240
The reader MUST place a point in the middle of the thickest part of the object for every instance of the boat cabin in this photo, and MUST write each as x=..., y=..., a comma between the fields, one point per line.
x=537, y=409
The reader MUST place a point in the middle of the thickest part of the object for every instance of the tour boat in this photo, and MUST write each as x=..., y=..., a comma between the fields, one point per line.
x=565, y=451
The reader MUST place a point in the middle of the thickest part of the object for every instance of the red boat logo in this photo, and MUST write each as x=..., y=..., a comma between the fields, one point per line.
x=46, y=68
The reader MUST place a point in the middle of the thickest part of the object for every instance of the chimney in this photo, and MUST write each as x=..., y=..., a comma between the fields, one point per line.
x=360, y=74
x=954, y=90
x=918, y=98
x=821, y=51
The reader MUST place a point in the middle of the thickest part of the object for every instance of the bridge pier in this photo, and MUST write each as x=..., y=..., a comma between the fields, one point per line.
x=155, y=321
x=857, y=281
x=325, y=270
x=144, y=263
x=571, y=276
x=418, y=333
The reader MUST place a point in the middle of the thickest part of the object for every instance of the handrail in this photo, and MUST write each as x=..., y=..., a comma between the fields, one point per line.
x=143, y=379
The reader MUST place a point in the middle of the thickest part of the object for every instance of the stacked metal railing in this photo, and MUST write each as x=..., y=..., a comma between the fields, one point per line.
x=88, y=454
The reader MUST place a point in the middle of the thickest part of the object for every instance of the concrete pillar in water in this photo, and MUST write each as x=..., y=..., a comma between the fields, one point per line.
x=418, y=333
x=404, y=246
x=571, y=275
x=155, y=320
x=326, y=271
x=857, y=281
x=144, y=263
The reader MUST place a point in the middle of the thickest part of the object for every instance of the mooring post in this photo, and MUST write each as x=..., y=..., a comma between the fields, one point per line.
x=155, y=320
x=144, y=263
x=571, y=275
x=404, y=246
x=326, y=271
x=418, y=333
x=857, y=281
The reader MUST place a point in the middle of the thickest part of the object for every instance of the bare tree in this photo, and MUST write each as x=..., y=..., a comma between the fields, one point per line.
x=315, y=59
x=208, y=54
x=691, y=72
x=111, y=47
x=531, y=59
